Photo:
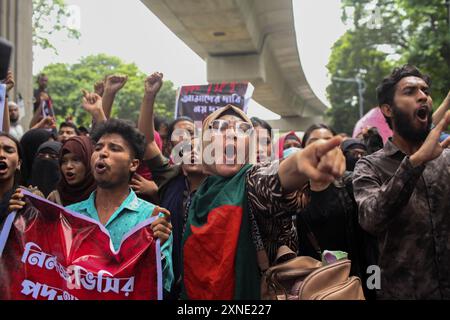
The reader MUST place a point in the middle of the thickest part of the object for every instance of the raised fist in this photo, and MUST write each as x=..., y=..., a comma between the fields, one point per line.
x=91, y=101
x=9, y=81
x=114, y=83
x=99, y=87
x=153, y=83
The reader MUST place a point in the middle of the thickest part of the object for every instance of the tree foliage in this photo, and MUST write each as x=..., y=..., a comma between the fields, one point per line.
x=385, y=34
x=50, y=16
x=67, y=80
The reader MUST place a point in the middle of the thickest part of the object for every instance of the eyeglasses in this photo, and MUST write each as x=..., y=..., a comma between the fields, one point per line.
x=240, y=127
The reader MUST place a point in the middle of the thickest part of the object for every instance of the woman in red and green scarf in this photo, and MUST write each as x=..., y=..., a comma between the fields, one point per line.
x=239, y=211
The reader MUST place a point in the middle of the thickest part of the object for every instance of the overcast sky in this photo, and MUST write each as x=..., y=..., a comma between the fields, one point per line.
x=129, y=30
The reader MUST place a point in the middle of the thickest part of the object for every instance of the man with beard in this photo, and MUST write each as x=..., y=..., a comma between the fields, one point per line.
x=403, y=192
x=15, y=128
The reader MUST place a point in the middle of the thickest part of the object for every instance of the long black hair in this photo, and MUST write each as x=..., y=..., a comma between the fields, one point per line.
x=19, y=152
x=257, y=122
x=315, y=127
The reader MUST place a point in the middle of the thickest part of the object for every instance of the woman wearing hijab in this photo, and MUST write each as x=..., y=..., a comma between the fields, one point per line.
x=240, y=208
x=288, y=141
x=30, y=143
x=45, y=172
x=77, y=181
x=353, y=149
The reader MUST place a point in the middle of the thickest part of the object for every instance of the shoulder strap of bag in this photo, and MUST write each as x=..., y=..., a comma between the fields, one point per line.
x=309, y=234
x=261, y=254
x=311, y=237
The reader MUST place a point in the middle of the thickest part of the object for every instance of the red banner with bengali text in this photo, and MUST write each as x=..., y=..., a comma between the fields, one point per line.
x=50, y=253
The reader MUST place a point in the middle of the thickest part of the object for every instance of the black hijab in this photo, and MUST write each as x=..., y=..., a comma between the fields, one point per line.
x=45, y=173
x=347, y=145
x=30, y=143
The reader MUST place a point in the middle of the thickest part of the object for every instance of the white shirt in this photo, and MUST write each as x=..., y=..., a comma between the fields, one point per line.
x=16, y=131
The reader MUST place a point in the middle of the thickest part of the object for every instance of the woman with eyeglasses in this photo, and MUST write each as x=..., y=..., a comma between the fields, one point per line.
x=237, y=219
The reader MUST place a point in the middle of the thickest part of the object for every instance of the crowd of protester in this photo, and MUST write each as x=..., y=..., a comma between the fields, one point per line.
x=383, y=204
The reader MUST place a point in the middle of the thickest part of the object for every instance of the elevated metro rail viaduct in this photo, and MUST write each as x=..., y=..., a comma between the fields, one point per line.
x=248, y=40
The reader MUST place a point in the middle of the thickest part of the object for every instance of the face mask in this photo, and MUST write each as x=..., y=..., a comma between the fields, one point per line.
x=290, y=151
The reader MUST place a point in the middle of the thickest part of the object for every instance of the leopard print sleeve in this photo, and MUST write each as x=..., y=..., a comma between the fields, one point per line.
x=272, y=208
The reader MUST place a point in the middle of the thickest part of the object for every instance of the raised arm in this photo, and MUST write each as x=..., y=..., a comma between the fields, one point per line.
x=45, y=123
x=113, y=84
x=99, y=87
x=146, y=125
x=37, y=116
x=92, y=103
x=440, y=112
x=9, y=85
x=380, y=201
x=321, y=161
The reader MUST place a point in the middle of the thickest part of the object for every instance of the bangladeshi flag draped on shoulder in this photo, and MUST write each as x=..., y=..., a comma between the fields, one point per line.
x=219, y=257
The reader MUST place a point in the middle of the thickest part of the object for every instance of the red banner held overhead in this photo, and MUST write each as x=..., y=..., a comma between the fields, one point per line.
x=198, y=101
x=50, y=253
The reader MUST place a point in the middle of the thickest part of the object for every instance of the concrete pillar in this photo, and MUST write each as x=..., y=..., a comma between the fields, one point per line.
x=16, y=26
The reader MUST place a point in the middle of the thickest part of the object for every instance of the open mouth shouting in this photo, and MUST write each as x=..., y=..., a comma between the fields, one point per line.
x=422, y=114
x=3, y=167
x=70, y=176
x=230, y=154
x=194, y=158
x=101, y=167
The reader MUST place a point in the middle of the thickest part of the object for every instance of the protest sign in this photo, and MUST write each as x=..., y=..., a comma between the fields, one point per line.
x=197, y=102
x=50, y=253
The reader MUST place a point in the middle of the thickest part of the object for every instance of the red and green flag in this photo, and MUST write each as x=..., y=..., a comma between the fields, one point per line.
x=219, y=256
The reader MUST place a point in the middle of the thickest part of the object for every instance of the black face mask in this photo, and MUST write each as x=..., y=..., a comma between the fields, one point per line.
x=45, y=175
